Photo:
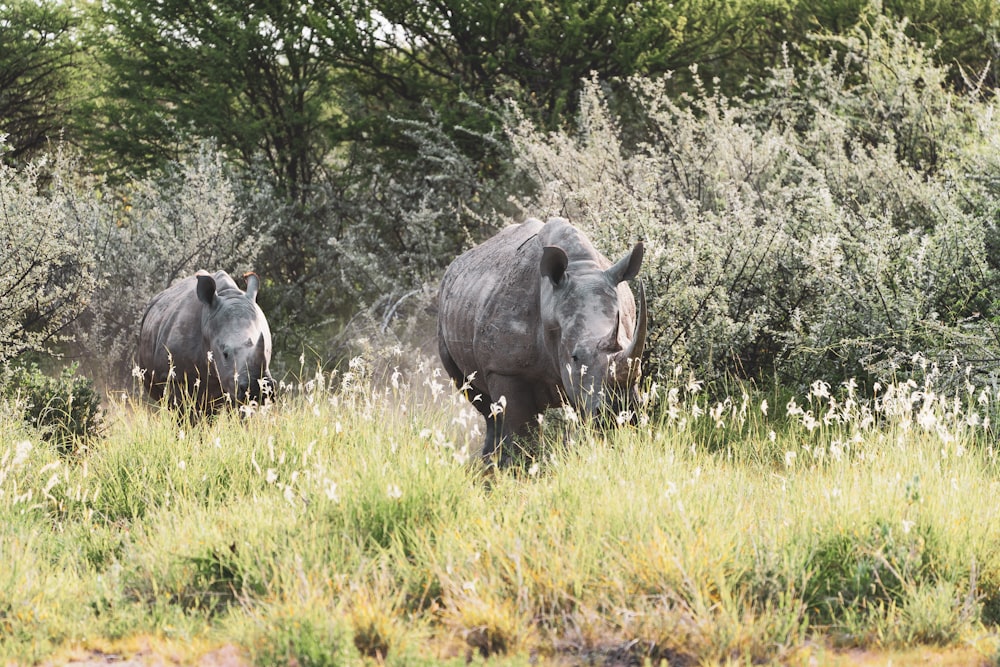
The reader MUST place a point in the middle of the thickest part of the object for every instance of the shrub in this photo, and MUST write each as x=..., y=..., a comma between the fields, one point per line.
x=833, y=221
x=387, y=225
x=46, y=270
x=63, y=408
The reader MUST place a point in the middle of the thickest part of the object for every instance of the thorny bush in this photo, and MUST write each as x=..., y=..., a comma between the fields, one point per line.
x=836, y=219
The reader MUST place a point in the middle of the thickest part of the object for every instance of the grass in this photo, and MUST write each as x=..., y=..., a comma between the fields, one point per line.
x=350, y=522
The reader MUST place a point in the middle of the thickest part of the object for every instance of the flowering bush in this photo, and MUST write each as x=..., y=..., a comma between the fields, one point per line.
x=46, y=269
x=832, y=222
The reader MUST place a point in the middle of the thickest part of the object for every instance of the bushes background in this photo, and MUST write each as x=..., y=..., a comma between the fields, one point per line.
x=833, y=221
x=821, y=206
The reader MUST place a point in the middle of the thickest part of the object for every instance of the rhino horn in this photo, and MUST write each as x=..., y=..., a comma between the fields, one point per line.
x=610, y=342
x=261, y=347
x=631, y=355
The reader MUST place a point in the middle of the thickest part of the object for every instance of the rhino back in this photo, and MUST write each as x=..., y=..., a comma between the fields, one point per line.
x=172, y=322
x=488, y=309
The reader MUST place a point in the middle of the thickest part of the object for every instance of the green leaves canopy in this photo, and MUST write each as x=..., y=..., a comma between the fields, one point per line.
x=257, y=76
x=36, y=56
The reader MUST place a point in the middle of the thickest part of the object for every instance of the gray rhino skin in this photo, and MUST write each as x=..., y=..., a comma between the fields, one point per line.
x=537, y=315
x=214, y=337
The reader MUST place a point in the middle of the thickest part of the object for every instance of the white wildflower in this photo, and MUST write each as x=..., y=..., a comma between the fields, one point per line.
x=499, y=407
x=21, y=452
x=820, y=389
x=790, y=459
x=809, y=421
x=51, y=483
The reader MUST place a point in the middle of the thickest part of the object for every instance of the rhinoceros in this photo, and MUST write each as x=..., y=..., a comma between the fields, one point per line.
x=535, y=317
x=205, y=339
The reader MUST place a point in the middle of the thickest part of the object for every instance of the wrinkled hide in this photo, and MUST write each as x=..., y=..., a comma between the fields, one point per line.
x=203, y=338
x=535, y=316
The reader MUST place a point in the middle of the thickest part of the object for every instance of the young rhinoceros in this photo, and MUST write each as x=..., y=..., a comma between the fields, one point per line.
x=205, y=339
x=536, y=315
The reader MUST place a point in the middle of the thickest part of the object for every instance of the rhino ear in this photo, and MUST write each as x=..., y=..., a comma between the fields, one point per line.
x=627, y=267
x=206, y=289
x=253, y=283
x=553, y=264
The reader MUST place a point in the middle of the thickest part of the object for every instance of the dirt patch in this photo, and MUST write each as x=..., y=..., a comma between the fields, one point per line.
x=229, y=655
x=146, y=655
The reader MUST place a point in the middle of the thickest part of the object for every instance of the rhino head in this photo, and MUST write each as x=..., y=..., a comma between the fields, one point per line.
x=585, y=311
x=236, y=338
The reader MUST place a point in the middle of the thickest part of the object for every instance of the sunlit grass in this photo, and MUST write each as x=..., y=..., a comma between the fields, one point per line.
x=351, y=520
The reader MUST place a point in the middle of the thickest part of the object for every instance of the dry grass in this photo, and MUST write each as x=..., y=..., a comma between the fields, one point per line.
x=351, y=522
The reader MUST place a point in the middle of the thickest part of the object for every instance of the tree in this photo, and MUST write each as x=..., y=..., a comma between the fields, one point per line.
x=254, y=76
x=539, y=52
x=37, y=57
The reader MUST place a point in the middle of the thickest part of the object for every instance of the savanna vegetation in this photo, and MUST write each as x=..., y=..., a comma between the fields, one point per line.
x=347, y=523
x=811, y=468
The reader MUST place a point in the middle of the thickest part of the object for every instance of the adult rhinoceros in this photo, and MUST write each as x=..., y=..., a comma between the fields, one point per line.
x=536, y=315
x=205, y=339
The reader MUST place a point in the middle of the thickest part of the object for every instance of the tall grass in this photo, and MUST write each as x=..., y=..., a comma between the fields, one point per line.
x=351, y=521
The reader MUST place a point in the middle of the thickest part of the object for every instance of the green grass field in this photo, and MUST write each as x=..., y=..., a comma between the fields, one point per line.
x=347, y=523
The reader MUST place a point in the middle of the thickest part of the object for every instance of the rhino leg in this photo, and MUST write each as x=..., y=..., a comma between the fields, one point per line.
x=520, y=411
x=458, y=377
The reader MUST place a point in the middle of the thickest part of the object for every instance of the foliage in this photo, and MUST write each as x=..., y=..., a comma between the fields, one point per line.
x=38, y=57
x=814, y=230
x=539, y=52
x=256, y=79
x=358, y=120
x=291, y=83
x=46, y=267
x=64, y=409
x=393, y=225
